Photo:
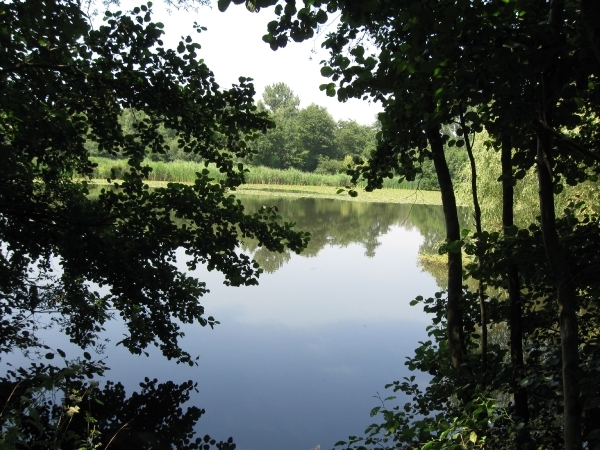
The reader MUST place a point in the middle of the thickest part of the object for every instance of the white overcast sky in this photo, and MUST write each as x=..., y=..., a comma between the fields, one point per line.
x=233, y=47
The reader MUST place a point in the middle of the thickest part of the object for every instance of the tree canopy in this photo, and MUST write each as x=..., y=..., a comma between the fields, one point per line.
x=84, y=259
x=280, y=96
x=307, y=139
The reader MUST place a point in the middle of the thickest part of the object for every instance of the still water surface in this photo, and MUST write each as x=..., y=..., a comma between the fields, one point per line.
x=296, y=361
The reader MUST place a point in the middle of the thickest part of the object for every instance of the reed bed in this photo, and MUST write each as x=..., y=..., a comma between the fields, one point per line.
x=185, y=172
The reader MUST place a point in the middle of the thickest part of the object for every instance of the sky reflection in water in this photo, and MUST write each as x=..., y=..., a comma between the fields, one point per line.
x=296, y=361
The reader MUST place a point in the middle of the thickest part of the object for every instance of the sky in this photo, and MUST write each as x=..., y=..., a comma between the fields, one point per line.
x=232, y=47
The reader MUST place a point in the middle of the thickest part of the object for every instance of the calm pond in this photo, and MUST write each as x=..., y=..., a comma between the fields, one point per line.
x=296, y=361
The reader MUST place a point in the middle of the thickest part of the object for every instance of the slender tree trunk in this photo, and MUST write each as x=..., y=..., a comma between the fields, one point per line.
x=480, y=286
x=565, y=288
x=514, y=295
x=567, y=309
x=454, y=314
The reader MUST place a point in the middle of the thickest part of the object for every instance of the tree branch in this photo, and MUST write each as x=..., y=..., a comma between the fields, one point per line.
x=565, y=140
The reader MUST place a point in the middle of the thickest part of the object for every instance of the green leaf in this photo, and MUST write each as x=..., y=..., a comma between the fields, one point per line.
x=60, y=352
x=326, y=71
x=473, y=437
x=526, y=381
x=49, y=356
x=454, y=246
x=87, y=356
x=223, y=5
x=321, y=17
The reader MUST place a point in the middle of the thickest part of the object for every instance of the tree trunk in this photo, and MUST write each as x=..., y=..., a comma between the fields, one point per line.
x=454, y=315
x=480, y=286
x=514, y=295
x=565, y=288
x=567, y=309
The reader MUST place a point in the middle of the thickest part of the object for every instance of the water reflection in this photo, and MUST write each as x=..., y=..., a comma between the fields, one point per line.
x=297, y=360
x=46, y=405
x=341, y=223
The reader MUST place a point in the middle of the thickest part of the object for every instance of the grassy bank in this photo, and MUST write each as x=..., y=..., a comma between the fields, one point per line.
x=384, y=195
x=266, y=181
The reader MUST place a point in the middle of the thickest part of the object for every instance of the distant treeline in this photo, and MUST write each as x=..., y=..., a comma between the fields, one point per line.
x=304, y=145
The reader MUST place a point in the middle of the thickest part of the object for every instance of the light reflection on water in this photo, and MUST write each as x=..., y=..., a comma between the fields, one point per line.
x=296, y=361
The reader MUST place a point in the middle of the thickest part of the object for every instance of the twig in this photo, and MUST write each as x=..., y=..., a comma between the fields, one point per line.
x=9, y=397
x=115, y=435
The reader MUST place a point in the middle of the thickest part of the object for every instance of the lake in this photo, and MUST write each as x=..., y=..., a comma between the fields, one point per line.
x=296, y=361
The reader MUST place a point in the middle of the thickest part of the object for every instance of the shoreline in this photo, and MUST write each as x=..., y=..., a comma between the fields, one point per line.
x=405, y=196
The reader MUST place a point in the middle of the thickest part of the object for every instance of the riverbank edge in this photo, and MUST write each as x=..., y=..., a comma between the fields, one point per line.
x=405, y=196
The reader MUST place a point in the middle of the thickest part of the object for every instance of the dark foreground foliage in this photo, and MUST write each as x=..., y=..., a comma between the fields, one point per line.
x=80, y=260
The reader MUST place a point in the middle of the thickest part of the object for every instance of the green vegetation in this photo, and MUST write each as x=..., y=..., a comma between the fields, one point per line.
x=526, y=200
x=186, y=172
x=65, y=89
x=404, y=196
x=306, y=139
x=525, y=73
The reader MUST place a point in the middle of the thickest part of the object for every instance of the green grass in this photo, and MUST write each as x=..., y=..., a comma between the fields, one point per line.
x=185, y=172
x=264, y=180
x=384, y=195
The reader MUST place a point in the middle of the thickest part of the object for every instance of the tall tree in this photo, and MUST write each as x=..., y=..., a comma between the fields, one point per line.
x=279, y=96
x=316, y=135
x=279, y=147
x=354, y=139
x=63, y=83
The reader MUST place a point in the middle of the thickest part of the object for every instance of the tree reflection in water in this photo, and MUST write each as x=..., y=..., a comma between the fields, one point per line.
x=81, y=414
x=50, y=407
x=341, y=223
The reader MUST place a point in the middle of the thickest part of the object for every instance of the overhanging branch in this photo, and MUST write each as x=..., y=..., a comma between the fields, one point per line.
x=570, y=142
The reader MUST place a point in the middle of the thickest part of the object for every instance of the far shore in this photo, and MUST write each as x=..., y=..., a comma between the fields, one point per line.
x=419, y=197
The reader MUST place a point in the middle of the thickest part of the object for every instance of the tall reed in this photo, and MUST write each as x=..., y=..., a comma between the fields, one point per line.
x=185, y=172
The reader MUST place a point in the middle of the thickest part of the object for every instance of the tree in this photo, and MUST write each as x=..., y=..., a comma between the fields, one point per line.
x=299, y=139
x=65, y=84
x=316, y=135
x=527, y=73
x=278, y=148
x=280, y=96
x=354, y=139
